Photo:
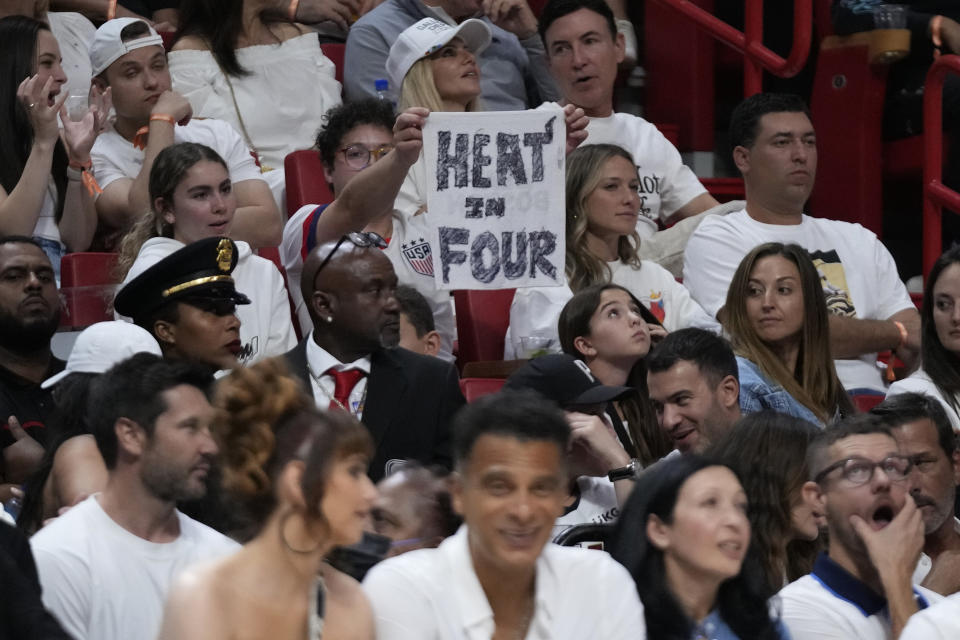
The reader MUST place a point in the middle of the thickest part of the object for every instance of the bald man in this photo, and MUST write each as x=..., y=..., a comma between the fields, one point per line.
x=350, y=361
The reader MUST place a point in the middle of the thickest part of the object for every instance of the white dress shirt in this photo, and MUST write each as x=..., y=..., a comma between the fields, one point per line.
x=434, y=594
x=319, y=362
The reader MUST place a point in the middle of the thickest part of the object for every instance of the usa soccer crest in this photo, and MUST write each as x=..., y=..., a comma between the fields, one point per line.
x=418, y=254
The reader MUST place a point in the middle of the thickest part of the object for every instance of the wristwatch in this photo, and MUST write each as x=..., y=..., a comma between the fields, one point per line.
x=628, y=472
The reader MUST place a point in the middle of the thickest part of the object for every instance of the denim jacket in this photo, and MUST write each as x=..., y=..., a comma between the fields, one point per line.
x=714, y=628
x=758, y=392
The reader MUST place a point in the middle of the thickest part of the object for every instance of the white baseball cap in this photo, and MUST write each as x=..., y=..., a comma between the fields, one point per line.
x=102, y=345
x=107, y=46
x=428, y=36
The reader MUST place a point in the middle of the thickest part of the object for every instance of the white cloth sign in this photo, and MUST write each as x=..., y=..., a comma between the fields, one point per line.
x=495, y=193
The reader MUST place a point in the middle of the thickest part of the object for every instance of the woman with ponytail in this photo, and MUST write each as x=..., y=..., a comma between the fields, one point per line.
x=299, y=477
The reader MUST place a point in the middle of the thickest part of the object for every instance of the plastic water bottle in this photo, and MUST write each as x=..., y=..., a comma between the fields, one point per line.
x=382, y=86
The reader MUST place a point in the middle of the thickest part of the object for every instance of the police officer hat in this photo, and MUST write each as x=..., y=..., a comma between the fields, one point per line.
x=199, y=270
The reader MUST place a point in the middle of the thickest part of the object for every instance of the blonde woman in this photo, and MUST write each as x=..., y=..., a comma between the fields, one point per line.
x=602, y=245
x=777, y=319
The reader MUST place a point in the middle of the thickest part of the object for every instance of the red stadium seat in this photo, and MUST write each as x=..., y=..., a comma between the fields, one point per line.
x=474, y=388
x=482, y=321
x=305, y=181
x=87, y=284
x=334, y=51
x=866, y=402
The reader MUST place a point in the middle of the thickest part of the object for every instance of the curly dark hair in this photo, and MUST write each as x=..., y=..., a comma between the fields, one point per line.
x=349, y=115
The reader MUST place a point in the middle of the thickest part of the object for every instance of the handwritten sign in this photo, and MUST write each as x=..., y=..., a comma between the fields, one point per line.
x=495, y=194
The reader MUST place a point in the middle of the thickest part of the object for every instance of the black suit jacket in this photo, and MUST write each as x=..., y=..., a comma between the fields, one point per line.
x=409, y=408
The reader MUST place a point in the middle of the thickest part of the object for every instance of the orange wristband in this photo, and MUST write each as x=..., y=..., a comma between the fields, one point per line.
x=935, y=34
x=903, y=334
x=292, y=10
x=112, y=9
x=163, y=117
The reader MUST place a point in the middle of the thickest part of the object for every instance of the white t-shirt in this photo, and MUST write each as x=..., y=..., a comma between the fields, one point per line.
x=920, y=382
x=937, y=622
x=46, y=226
x=597, y=503
x=103, y=582
x=114, y=157
x=535, y=311
x=666, y=184
x=859, y=275
x=830, y=604
x=581, y=594
x=265, y=326
x=282, y=102
x=410, y=253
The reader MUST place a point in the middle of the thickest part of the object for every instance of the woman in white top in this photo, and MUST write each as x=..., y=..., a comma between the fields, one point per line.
x=602, y=242
x=299, y=476
x=192, y=199
x=939, y=375
x=264, y=75
x=41, y=194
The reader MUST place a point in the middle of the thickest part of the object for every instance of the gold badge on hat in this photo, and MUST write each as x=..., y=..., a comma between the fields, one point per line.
x=224, y=254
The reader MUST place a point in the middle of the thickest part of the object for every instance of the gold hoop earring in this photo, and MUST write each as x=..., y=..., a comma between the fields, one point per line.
x=283, y=538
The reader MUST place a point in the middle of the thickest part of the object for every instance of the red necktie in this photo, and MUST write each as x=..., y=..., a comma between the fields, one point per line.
x=343, y=384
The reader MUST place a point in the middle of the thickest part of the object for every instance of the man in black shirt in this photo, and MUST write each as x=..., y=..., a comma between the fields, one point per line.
x=29, y=316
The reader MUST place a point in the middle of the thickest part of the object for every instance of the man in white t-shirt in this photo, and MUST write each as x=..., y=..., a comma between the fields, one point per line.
x=498, y=576
x=861, y=588
x=105, y=566
x=584, y=49
x=923, y=431
x=127, y=55
x=776, y=151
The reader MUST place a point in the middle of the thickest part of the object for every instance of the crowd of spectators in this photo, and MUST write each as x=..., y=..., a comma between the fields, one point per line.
x=254, y=451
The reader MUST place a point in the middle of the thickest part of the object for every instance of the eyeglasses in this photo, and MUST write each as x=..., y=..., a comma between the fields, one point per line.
x=358, y=156
x=859, y=471
x=216, y=306
x=362, y=239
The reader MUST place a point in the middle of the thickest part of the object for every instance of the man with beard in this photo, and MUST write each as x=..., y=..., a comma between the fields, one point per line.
x=861, y=588
x=923, y=432
x=349, y=362
x=29, y=316
x=106, y=565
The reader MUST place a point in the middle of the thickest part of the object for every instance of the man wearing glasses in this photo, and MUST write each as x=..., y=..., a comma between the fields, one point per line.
x=349, y=362
x=861, y=587
x=351, y=144
x=923, y=431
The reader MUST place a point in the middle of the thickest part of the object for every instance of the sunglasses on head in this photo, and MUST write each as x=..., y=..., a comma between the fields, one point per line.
x=362, y=239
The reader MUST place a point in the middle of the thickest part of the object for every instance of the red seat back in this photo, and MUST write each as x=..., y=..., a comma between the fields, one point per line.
x=482, y=321
x=474, y=388
x=866, y=402
x=334, y=51
x=305, y=181
x=87, y=284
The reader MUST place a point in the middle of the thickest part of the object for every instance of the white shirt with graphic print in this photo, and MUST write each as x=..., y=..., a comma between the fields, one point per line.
x=858, y=274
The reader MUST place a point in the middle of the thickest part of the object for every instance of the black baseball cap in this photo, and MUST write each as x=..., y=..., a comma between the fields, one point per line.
x=564, y=380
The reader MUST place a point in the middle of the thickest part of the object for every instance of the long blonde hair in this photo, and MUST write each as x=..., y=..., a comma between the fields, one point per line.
x=169, y=168
x=584, y=167
x=419, y=89
x=813, y=382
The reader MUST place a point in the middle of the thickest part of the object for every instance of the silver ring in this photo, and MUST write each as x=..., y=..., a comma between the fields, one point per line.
x=31, y=105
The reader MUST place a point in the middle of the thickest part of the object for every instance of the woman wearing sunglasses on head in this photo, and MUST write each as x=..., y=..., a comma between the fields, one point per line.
x=192, y=199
